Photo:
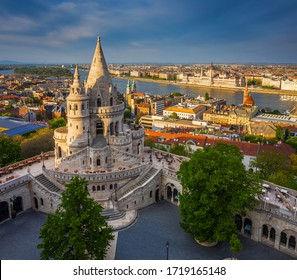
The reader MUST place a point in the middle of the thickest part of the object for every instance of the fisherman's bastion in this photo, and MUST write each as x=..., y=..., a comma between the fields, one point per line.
x=122, y=174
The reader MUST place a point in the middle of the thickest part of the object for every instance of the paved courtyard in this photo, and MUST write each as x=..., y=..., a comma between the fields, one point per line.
x=145, y=239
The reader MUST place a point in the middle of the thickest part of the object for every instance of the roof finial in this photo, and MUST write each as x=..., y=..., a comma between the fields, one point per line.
x=98, y=39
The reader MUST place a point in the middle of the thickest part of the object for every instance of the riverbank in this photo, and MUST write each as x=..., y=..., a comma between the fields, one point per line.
x=235, y=89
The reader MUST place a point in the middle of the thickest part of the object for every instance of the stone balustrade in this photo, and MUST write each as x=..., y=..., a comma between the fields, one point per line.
x=60, y=133
x=110, y=109
x=99, y=175
x=120, y=140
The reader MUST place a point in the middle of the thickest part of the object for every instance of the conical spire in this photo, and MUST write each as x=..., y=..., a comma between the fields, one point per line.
x=76, y=82
x=98, y=66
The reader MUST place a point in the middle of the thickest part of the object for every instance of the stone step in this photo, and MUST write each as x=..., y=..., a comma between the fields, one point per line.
x=113, y=214
x=148, y=176
x=47, y=184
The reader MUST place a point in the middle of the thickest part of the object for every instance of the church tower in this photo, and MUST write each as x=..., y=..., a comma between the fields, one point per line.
x=105, y=112
x=247, y=99
x=78, y=116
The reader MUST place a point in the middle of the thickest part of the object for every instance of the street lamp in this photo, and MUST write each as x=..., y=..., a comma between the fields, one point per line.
x=167, y=250
x=115, y=193
x=42, y=157
x=12, y=202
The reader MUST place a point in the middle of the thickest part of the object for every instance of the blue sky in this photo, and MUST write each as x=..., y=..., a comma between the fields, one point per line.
x=165, y=31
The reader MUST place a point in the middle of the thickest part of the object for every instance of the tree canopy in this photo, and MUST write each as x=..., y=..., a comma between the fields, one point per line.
x=216, y=186
x=57, y=122
x=10, y=151
x=276, y=168
x=77, y=231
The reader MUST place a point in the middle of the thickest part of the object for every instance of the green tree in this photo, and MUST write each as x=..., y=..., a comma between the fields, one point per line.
x=176, y=94
x=235, y=245
x=77, y=231
x=149, y=142
x=180, y=150
x=292, y=141
x=279, y=133
x=127, y=113
x=206, y=96
x=269, y=163
x=41, y=141
x=216, y=185
x=174, y=116
x=10, y=151
x=57, y=122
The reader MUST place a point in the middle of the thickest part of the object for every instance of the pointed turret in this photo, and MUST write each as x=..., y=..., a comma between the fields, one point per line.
x=98, y=66
x=76, y=87
x=133, y=87
x=128, y=88
x=76, y=82
x=247, y=99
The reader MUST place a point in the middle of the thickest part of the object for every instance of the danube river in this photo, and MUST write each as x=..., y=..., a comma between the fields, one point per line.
x=263, y=100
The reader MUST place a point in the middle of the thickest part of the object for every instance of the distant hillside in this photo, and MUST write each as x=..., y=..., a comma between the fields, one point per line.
x=43, y=71
x=9, y=62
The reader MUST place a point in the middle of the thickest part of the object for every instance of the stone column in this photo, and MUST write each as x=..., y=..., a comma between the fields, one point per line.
x=277, y=240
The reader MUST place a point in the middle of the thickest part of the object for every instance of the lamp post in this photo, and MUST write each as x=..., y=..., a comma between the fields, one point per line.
x=12, y=202
x=88, y=136
x=167, y=250
x=42, y=157
x=115, y=193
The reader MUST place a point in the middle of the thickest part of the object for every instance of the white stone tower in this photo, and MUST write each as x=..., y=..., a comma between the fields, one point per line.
x=78, y=116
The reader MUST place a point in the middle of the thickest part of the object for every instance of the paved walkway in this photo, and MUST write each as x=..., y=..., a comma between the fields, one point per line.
x=145, y=239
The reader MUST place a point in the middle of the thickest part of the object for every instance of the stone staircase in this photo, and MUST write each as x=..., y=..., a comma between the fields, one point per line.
x=113, y=214
x=151, y=173
x=47, y=184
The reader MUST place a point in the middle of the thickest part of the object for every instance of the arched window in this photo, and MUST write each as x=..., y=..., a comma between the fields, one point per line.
x=98, y=102
x=98, y=188
x=283, y=239
x=292, y=242
x=151, y=194
x=265, y=231
x=41, y=201
x=110, y=186
x=105, y=159
x=75, y=107
x=94, y=188
x=111, y=101
x=98, y=161
x=272, y=234
x=103, y=188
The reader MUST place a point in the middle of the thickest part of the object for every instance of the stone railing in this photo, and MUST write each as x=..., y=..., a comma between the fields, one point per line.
x=25, y=163
x=45, y=189
x=74, y=156
x=111, y=109
x=170, y=173
x=120, y=140
x=60, y=133
x=99, y=176
x=12, y=184
x=137, y=133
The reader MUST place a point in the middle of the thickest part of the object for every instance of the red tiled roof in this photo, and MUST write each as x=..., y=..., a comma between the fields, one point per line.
x=249, y=149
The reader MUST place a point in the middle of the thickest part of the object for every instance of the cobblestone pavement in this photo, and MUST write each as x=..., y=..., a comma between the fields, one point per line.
x=159, y=223
x=145, y=239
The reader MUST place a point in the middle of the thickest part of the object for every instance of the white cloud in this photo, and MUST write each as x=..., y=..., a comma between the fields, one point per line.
x=14, y=23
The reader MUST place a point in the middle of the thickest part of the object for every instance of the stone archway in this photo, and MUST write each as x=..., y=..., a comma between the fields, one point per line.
x=4, y=211
x=168, y=193
x=248, y=227
x=157, y=195
x=175, y=195
x=18, y=204
x=35, y=202
x=99, y=128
